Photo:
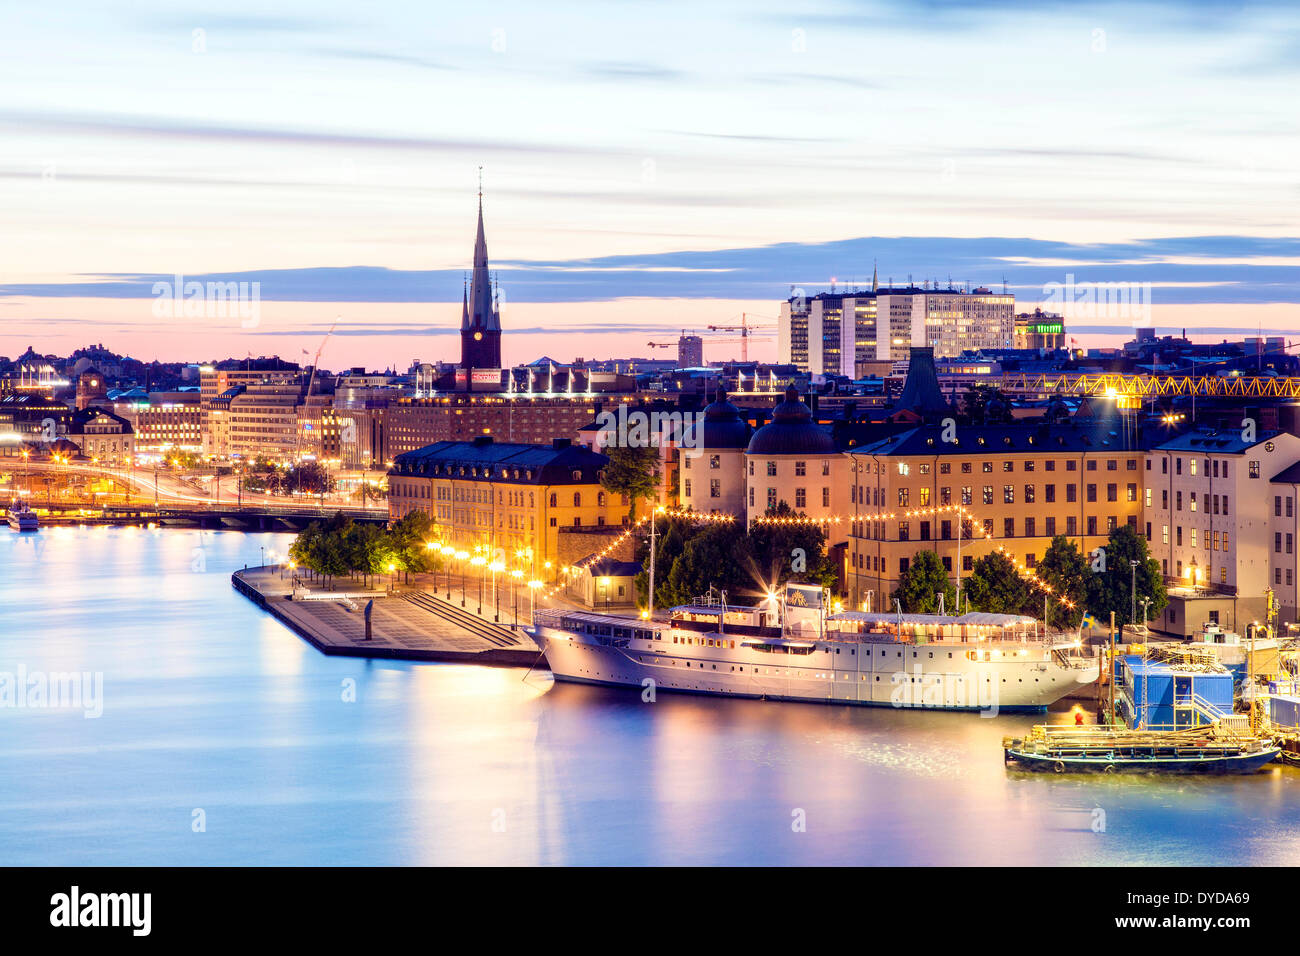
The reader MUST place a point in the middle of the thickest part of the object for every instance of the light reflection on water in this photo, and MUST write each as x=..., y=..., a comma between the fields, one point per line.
x=211, y=704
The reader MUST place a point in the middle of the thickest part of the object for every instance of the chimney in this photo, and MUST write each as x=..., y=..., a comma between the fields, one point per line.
x=559, y=444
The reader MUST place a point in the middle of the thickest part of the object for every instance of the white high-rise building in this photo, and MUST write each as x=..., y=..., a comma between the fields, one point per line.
x=840, y=333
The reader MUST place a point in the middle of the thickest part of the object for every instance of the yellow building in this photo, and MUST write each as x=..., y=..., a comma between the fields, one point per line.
x=506, y=499
x=1019, y=486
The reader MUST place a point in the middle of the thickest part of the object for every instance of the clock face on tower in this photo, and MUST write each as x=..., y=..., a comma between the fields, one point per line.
x=478, y=336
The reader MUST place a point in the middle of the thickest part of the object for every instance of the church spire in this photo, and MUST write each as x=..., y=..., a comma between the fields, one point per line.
x=464, y=304
x=482, y=313
x=875, y=285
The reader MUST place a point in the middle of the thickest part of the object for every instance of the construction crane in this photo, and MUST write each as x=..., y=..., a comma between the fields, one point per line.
x=746, y=332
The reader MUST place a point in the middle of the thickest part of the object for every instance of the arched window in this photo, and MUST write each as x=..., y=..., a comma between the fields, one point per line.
x=600, y=499
x=554, y=499
x=577, y=499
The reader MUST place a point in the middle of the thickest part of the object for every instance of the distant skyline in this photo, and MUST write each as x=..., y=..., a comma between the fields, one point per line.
x=640, y=176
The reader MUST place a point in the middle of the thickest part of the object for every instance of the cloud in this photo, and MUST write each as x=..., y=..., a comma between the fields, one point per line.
x=1181, y=270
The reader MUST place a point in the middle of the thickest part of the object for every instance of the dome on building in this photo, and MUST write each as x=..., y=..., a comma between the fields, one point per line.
x=791, y=431
x=722, y=427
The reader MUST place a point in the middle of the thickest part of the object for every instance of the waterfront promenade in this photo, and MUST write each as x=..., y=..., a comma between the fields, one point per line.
x=408, y=623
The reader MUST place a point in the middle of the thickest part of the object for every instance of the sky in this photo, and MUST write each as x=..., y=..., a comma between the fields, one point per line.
x=646, y=167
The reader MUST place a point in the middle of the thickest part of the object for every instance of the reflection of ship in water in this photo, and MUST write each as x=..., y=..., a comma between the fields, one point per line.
x=792, y=649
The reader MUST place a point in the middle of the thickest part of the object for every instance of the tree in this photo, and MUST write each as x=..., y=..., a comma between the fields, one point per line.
x=995, y=586
x=1067, y=572
x=783, y=552
x=715, y=556
x=985, y=405
x=409, y=540
x=921, y=584
x=632, y=470
x=1112, y=588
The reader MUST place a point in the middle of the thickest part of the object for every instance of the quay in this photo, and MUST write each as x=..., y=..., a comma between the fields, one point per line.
x=410, y=624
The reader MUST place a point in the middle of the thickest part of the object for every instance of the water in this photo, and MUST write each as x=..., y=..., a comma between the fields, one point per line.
x=213, y=712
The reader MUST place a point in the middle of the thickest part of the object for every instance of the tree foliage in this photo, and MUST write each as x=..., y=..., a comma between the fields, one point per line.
x=1069, y=575
x=921, y=584
x=1113, y=587
x=632, y=470
x=995, y=586
x=340, y=546
x=691, y=557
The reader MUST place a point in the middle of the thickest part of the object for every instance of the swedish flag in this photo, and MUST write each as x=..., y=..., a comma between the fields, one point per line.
x=1088, y=620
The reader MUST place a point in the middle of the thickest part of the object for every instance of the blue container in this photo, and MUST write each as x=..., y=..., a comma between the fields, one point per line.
x=1173, y=698
x=1284, y=712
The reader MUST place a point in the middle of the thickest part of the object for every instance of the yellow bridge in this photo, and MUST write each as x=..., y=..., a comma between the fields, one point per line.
x=1134, y=388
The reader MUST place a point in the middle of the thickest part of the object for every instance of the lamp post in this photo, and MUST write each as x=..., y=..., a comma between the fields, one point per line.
x=479, y=561
x=432, y=549
x=533, y=585
x=496, y=566
x=461, y=556
x=1133, y=590
x=392, y=578
x=604, y=582
x=516, y=575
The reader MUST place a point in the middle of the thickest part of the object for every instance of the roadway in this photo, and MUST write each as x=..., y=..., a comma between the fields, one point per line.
x=192, y=490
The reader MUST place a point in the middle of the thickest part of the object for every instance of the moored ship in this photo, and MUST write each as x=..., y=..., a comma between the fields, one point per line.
x=22, y=518
x=792, y=650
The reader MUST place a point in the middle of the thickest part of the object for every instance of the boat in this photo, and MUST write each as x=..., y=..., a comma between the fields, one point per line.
x=22, y=518
x=1067, y=749
x=791, y=649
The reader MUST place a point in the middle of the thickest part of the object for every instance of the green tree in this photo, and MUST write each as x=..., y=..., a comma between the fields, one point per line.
x=1067, y=572
x=409, y=541
x=783, y=552
x=995, y=586
x=632, y=471
x=1112, y=588
x=921, y=584
x=715, y=556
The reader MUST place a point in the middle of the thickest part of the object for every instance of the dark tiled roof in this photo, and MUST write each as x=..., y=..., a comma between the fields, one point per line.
x=1288, y=476
x=1094, y=437
x=502, y=461
x=611, y=567
x=1227, y=441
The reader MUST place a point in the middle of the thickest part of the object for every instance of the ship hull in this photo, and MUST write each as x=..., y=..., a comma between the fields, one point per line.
x=881, y=676
x=1236, y=763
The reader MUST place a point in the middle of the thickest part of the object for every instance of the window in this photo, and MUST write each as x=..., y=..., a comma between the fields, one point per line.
x=904, y=495
x=577, y=499
x=715, y=488
x=1049, y=493
x=924, y=495
x=1008, y=466
x=1008, y=494
x=715, y=462
x=1029, y=527
x=800, y=468
x=1092, y=492
x=966, y=497
x=771, y=498
x=826, y=497
x=771, y=469
x=904, y=534
x=1254, y=469
x=988, y=494
x=1132, y=491
x=1070, y=493
x=1092, y=524
x=800, y=498
x=1112, y=492
x=554, y=500
x=1029, y=494
x=1049, y=526
x=986, y=467
x=1008, y=527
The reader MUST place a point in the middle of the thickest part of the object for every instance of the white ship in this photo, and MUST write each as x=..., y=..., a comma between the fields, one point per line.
x=22, y=518
x=968, y=662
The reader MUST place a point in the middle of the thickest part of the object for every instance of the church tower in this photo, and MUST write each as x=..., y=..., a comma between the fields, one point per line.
x=480, y=323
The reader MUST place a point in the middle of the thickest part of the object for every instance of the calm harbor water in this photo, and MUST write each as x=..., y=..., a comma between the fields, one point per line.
x=214, y=712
